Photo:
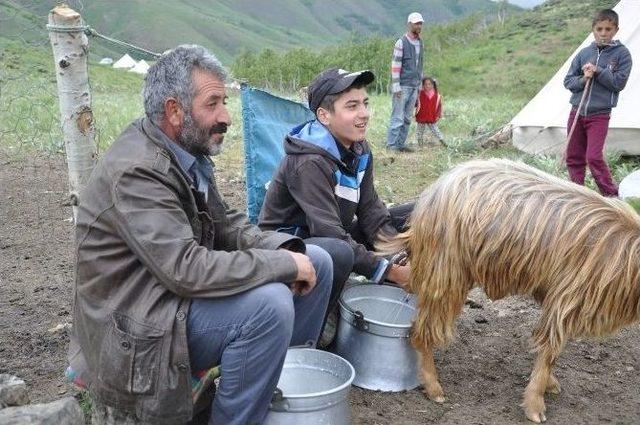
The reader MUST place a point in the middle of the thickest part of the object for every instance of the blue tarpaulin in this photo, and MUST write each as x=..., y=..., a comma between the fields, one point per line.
x=266, y=119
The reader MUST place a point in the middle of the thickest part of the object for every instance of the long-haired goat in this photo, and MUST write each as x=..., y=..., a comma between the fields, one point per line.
x=512, y=229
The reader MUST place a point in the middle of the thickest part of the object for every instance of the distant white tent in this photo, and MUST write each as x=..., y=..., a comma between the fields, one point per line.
x=125, y=62
x=106, y=61
x=541, y=126
x=141, y=67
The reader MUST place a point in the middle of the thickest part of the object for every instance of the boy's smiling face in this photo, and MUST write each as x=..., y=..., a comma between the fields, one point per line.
x=604, y=31
x=350, y=116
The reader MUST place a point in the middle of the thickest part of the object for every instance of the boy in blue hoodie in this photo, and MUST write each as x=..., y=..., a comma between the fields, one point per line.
x=323, y=190
x=606, y=65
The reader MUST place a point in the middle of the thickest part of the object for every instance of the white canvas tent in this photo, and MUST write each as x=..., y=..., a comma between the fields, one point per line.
x=141, y=67
x=630, y=186
x=125, y=62
x=541, y=126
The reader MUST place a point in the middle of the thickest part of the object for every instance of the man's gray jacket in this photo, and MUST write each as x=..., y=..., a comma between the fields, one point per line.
x=146, y=243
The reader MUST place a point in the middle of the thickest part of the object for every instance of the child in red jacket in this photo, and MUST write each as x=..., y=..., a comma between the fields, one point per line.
x=428, y=110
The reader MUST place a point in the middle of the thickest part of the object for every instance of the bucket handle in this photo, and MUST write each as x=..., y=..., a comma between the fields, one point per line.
x=279, y=402
x=360, y=322
x=358, y=317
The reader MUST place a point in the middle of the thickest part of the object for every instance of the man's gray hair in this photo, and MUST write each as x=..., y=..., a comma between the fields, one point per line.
x=172, y=76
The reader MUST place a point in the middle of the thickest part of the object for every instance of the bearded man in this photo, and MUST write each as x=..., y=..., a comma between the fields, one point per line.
x=170, y=281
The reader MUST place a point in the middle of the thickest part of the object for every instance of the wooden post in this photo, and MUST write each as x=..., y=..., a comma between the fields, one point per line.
x=70, y=50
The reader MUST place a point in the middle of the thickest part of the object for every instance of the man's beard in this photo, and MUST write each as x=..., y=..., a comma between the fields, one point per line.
x=195, y=138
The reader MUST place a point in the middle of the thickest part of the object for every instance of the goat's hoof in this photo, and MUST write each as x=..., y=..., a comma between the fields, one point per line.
x=534, y=408
x=537, y=417
x=439, y=399
x=435, y=393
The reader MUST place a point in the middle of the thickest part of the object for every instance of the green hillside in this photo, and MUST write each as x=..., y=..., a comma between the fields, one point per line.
x=470, y=57
x=230, y=26
x=486, y=72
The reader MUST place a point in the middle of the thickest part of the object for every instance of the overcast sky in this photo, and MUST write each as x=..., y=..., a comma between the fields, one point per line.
x=525, y=3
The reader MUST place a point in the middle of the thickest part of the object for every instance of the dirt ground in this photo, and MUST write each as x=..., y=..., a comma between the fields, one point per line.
x=483, y=373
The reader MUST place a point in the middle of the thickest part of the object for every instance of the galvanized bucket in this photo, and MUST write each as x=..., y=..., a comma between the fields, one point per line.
x=312, y=389
x=373, y=335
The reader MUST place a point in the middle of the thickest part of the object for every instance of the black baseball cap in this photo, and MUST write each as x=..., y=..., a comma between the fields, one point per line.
x=333, y=81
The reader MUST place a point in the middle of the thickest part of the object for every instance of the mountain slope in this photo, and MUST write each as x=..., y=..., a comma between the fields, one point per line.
x=514, y=56
x=230, y=26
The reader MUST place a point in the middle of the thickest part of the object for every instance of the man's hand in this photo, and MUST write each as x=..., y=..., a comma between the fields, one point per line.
x=400, y=275
x=398, y=94
x=306, y=279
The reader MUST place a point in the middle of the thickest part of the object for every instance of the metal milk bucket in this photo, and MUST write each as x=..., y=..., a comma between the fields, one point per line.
x=373, y=335
x=312, y=389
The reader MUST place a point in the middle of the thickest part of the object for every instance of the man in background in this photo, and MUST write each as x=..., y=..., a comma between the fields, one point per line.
x=406, y=78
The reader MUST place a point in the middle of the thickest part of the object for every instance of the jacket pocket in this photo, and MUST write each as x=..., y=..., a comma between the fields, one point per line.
x=130, y=356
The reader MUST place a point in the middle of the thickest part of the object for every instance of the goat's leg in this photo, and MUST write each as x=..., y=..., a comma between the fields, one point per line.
x=533, y=402
x=542, y=380
x=432, y=387
x=553, y=386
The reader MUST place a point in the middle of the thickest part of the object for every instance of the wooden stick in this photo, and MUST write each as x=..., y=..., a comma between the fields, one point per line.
x=575, y=117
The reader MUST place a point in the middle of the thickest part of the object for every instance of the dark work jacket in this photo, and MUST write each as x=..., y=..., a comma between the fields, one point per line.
x=146, y=243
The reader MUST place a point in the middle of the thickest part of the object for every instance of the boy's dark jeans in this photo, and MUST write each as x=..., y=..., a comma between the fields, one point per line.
x=586, y=147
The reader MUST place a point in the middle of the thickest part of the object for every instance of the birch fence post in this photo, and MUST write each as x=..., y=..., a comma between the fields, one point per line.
x=70, y=51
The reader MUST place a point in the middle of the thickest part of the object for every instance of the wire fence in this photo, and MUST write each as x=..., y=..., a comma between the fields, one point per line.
x=35, y=209
x=32, y=179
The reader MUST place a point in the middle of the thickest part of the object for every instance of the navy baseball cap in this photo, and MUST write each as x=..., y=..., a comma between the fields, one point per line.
x=333, y=81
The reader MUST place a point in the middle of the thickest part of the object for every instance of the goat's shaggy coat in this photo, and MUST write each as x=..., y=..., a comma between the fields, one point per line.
x=512, y=229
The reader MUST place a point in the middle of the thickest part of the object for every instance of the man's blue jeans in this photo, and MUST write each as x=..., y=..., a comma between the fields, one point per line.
x=248, y=335
x=402, y=112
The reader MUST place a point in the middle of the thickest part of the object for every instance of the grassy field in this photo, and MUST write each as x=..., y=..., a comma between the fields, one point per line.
x=471, y=57
x=486, y=73
x=30, y=122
